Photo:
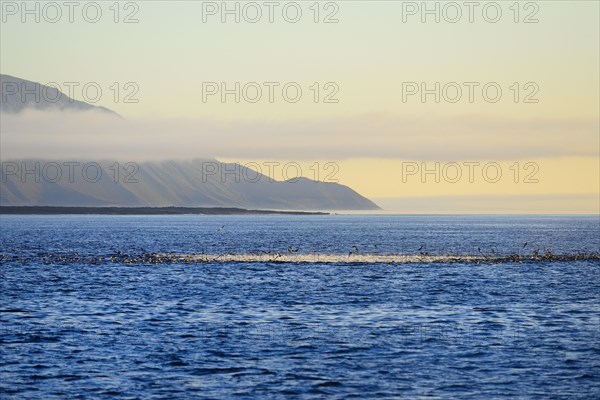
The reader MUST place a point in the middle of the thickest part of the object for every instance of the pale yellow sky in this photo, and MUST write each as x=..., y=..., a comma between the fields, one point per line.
x=369, y=58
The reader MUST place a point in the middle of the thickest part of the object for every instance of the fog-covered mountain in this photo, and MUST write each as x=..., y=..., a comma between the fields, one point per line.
x=196, y=183
x=18, y=94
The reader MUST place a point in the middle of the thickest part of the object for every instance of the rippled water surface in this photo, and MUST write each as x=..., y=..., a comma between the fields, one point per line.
x=299, y=307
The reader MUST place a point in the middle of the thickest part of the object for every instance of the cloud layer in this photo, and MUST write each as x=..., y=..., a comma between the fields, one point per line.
x=97, y=135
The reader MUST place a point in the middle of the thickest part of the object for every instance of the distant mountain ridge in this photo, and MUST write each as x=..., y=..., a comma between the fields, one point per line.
x=18, y=94
x=167, y=183
x=47, y=182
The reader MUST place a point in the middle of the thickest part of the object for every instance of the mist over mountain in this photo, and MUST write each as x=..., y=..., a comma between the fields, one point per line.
x=18, y=94
x=196, y=183
x=53, y=181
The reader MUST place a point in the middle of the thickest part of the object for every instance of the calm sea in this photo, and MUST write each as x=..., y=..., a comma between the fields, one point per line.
x=299, y=307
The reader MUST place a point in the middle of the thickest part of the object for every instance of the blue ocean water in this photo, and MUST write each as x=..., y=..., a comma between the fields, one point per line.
x=82, y=317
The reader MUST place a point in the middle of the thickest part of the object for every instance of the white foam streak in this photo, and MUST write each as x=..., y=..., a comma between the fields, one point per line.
x=319, y=258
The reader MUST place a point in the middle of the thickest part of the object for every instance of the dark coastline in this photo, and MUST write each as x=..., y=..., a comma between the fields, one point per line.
x=54, y=210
